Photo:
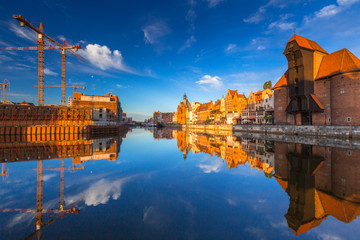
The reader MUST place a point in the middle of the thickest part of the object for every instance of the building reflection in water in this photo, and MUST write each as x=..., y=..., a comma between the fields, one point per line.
x=31, y=148
x=320, y=181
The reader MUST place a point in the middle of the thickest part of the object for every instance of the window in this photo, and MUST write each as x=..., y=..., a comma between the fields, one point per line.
x=100, y=115
x=342, y=91
x=342, y=79
x=324, y=84
x=349, y=153
x=280, y=108
x=329, y=119
x=101, y=110
x=349, y=119
x=324, y=95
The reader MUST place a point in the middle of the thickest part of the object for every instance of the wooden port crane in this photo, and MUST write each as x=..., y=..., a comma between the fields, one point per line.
x=63, y=87
x=5, y=85
x=41, y=45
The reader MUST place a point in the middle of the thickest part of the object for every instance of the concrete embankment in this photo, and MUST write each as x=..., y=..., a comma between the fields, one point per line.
x=343, y=132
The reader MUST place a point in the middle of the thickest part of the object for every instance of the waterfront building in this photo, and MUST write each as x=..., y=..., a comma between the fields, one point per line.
x=183, y=111
x=106, y=107
x=234, y=104
x=259, y=105
x=160, y=117
x=215, y=115
x=268, y=104
x=204, y=112
x=222, y=110
x=193, y=113
x=318, y=88
x=248, y=114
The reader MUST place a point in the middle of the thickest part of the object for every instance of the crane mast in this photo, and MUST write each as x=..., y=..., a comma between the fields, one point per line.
x=5, y=85
x=41, y=47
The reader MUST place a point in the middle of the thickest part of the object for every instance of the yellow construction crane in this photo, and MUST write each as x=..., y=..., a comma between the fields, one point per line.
x=41, y=45
x=5, y=85
x=63, y=87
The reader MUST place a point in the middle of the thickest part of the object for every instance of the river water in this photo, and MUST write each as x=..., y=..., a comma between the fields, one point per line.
x=170, y=184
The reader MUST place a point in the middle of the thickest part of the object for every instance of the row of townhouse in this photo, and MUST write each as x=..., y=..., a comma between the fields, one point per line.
x=234, y=108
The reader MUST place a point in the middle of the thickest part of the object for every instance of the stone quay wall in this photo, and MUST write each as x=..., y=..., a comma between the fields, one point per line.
x=344, y=132
x=208, y=127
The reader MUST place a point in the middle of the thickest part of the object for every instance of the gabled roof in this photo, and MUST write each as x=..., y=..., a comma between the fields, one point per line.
x=232, y=92
x=283, y=81
x=341, y=61
x=307, y=43
x=342, y=210
x=205, y=107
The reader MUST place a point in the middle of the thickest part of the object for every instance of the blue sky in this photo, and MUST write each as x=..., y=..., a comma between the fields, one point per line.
x=150, y=53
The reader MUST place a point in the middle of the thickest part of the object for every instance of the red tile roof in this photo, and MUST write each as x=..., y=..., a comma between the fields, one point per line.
x=306, y=43
x=283, y=81
x=233, y=92
x=341, y=61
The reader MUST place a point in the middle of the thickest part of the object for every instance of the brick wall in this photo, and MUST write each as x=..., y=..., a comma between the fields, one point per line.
x=343, y=90
x=281, y=100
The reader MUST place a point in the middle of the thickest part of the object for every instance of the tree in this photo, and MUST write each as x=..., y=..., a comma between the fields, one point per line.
x=267, y=84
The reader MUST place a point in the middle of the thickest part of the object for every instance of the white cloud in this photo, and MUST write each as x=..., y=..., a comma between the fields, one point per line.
x=212, y=165
x=101, y=191
x=259, y=15
x=327, y=11
x=325, y=236
x=188, y=43
x=62, y=38
x=281, y=24
x=230, y=48
x=331, y=10
x=261, y=48
x=155, y=217
x=155, y=31
x=214, y=82
x=214, y=3
x=47, y=177
x=191, y=16
x=49, y=72
x=120, y=86
x=23, y=32
x=103, y=58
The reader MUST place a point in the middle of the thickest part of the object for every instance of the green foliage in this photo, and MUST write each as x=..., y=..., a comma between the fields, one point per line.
x=267, y=84
x=268, y=175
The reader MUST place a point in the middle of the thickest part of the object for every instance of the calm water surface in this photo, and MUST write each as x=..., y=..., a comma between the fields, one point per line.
x=172, y=184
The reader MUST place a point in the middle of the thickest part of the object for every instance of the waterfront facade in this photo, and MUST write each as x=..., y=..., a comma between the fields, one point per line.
x=107, y=108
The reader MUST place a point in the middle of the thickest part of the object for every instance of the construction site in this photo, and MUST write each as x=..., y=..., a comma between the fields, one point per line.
x=82, y=115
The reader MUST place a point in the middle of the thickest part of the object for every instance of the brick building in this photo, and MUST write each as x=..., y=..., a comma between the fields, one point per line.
x=160, y=117
x=183, y=111
x=318, y=88
x=106, y=107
